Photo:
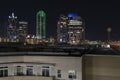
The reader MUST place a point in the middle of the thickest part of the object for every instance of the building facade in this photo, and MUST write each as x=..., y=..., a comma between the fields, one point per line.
x=12, y=27
x=55, y=63
x=62, y=29
x=101, y=67
x=70, y=29
x=27, y=67
x=75, y=29
x=41, y=25
x=22, y=31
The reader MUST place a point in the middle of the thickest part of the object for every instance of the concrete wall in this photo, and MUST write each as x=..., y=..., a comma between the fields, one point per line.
x=101, y=67
x=26, y=78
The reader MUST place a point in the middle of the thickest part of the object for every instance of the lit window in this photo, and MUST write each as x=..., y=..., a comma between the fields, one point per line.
x=59, y=73
x=72, y=74
x=3, y=71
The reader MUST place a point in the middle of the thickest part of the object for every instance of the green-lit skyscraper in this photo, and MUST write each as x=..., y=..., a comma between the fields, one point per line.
x=41, y=25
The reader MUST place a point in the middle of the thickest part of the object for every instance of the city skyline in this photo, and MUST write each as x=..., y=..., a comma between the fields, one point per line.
x=98, y=16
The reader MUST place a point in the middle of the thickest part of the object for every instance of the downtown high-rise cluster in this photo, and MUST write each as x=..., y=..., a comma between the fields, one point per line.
x=70, y=30
x=16, y=29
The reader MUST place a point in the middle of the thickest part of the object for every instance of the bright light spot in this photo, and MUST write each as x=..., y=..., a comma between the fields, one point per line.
x=61, y=26
x=14, y=37
x=28, y=36
x=74, y=42
x=78, y=32
x=72, y=15
x=105, y=46
x=33, y=36
x=61, y=40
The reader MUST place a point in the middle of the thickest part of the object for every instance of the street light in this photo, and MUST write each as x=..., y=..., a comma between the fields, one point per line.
x=109, y=31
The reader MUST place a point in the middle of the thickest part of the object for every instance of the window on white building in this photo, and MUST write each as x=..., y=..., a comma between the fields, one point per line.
x=45, y=71
x=19, y=70
x=59, y=73
x=72, y=74
x=29, y=70
x=3, y=71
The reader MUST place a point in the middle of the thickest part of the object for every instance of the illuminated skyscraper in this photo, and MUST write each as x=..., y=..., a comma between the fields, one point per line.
x=75, y=29
x=12, y=27
x=62, y=29
x=22, y=31
x=41, y=25
x=70, y=29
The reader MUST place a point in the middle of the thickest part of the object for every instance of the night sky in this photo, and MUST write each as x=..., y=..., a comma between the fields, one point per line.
x=98, y=15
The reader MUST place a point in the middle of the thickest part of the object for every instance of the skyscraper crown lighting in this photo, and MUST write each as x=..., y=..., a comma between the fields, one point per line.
x=41, y=25
x=72, y=15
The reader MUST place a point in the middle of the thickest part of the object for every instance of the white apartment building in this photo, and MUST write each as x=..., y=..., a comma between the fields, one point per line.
x=29, y=66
